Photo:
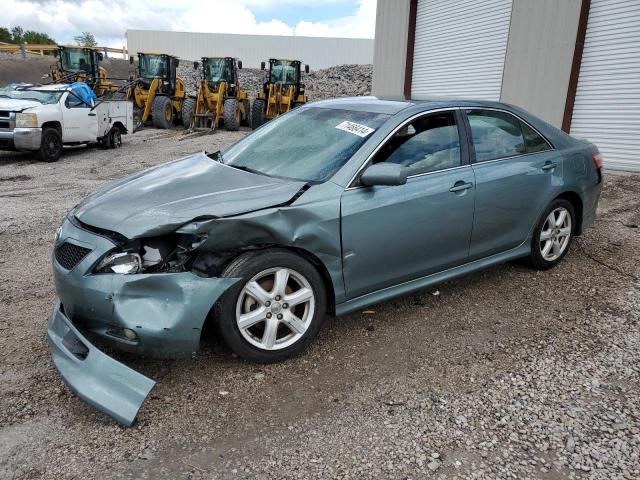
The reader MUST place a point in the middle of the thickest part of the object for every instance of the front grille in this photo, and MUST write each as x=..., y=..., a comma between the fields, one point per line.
x=4, y=124
x=4, y=114
x=69, y=255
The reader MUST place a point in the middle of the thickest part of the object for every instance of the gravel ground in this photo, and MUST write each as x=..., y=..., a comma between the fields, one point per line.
x=507, y=373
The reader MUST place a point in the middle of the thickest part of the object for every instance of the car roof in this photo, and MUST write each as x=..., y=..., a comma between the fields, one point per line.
x=393, y=105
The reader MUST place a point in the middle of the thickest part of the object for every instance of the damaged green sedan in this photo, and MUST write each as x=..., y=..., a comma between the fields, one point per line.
x=329, y=208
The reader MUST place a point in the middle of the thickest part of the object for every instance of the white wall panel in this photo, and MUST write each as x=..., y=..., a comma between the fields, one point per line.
x=607, y=106
x=460, y=48
x=318, y=52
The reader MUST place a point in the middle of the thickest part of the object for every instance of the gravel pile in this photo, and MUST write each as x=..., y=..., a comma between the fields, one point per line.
x=339, y=81
x=507, y=373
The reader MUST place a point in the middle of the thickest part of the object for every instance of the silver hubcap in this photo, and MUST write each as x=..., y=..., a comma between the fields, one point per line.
x=555, y=234
x=275, y=308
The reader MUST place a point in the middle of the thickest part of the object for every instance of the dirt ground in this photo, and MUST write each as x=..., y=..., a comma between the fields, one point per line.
x=506, y=373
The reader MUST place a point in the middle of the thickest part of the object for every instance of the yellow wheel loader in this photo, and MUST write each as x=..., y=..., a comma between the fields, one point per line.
x=282, y=91
x=157, y=92
x=81, y=64
x=219, y=98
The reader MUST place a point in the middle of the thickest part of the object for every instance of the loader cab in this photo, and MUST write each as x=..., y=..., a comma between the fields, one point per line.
x=152, y=66
x=285, y=72
x=221, y=69
x=78, y=61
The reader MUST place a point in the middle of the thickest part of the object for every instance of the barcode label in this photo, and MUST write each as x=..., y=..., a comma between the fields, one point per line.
x=355, y=128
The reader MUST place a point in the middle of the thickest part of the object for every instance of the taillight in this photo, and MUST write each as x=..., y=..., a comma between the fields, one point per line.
x=597, y=160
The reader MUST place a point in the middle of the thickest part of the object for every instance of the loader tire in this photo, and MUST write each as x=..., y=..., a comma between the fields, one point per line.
x=162, y=112
x=257, y=113
x=231, y=114
x=246, y=118
x=188, y=107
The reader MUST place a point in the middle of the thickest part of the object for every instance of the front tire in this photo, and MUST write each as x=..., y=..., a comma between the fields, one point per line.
x=50, y=145
x=257, y=113
x=231, y=115
x=162, y=112
x=188, y=108
x=275, y=310
x=553, y=235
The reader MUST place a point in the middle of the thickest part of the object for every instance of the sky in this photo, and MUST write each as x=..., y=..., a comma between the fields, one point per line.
x=108, y=20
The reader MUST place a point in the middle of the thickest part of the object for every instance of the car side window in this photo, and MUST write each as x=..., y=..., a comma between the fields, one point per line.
x=427, y=144
x=495, y=135
x=535, y=142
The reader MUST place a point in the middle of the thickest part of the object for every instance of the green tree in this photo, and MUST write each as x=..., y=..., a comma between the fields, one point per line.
x=17, y=33
x=86, y=39
x=5, y=35
x=37, y=38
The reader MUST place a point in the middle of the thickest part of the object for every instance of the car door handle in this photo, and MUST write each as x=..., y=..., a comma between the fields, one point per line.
x=549, y=166
x=91, y=114
x=460, y=186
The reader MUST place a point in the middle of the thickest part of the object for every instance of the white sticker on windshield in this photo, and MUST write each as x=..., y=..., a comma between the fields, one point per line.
x=355, y=128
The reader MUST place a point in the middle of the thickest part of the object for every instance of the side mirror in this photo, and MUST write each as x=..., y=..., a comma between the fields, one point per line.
x=239, y=64
x=306, y=69
x=196, y=65
x=100, y=57
x=384, y=174
x=262, y=65
x=130, y=60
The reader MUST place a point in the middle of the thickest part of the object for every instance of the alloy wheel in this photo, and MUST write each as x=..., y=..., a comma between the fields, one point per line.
x=555, y=234
x=275, y=308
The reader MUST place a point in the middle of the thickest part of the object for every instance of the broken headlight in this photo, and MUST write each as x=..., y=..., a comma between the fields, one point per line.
x=120, y=262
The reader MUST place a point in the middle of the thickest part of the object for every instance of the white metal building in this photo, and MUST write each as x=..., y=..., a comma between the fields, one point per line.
x=574, y=63
x=317, y=52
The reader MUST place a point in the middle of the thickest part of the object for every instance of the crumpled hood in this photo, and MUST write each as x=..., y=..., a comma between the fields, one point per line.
x=12, y=105
x=159, y=200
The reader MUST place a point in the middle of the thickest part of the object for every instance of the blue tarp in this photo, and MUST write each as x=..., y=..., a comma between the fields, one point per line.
x=84, y=92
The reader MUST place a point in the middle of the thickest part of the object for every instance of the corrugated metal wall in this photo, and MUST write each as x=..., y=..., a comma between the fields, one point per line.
x=607, y=105
x=318, y=52
x=460, y=48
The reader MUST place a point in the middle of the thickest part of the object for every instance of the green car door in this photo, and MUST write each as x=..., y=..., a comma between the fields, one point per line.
x=516, y=171
x=392, y=234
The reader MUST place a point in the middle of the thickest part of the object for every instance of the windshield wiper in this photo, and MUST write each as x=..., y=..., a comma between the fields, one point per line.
x=247, y=169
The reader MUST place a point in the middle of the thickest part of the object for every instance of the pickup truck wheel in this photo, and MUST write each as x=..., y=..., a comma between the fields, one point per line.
x=275, y=310
x=50, y=145
x=162, y=112
x=115, y=138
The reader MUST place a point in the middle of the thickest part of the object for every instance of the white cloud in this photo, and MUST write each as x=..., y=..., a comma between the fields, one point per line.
x=109, y=19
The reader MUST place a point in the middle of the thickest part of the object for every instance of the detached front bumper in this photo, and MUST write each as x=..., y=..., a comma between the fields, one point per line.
x=21, y=139
x=157, y=314
x=96, y=378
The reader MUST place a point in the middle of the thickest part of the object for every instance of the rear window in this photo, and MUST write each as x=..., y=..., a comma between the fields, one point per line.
x=495, y=135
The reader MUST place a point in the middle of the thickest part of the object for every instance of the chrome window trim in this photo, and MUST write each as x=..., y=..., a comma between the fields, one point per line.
x=391, y=134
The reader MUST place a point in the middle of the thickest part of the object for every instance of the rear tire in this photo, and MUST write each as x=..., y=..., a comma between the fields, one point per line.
x=306, y=315
x=188, y=107
x=257, y=113
x=115, y=138
x=162, y=112
x=50, y=145
x=552, y=236
x=231, y=115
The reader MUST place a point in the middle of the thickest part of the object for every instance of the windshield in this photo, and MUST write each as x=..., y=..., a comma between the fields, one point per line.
x=283, y=71
x=308, y=144
x=76, y=60
x=217, y=70
x=153, y=66
x=42, y=96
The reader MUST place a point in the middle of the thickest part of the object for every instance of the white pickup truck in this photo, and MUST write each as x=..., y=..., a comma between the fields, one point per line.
x=47, y=118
